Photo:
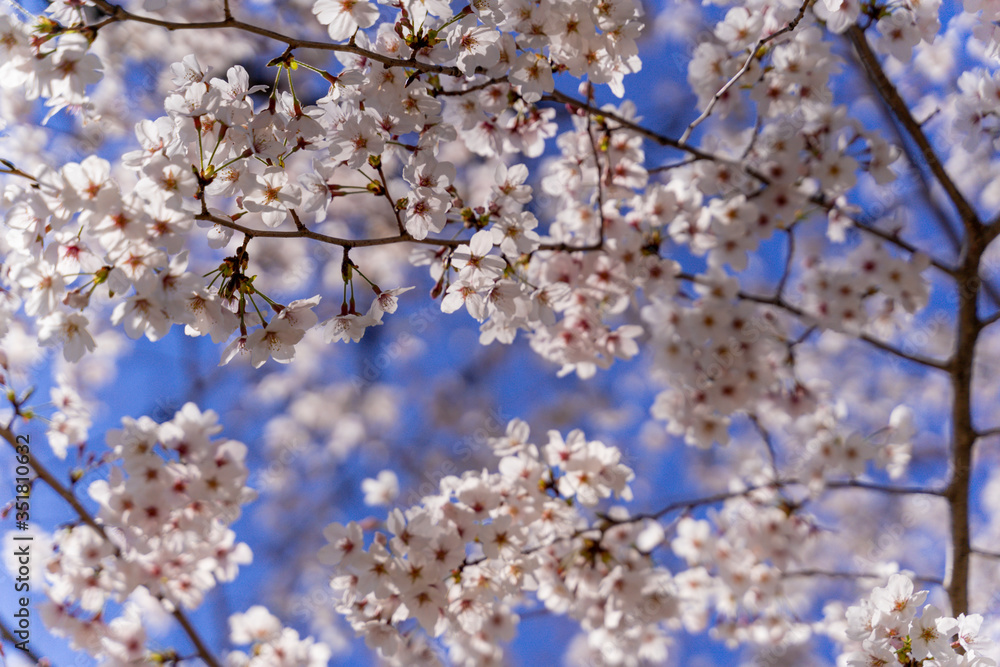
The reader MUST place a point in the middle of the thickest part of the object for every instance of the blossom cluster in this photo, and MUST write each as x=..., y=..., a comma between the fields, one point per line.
x=893, y=629
x=729, y=356
x=272, y=645
x=217, y=145
x=162, y=530
x=872, y=287
x=459, y=562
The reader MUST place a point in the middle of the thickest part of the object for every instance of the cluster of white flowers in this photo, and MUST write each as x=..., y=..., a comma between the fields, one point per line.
x=272, y=644
x=728, y=358
x=866, y=289
x=736, y=571
x=892, y=629
x=69, y=425
x=216, y=143
x=459, y=562
x=62, y=76
x=162, y=527
x=975, y=108
x=829, y=452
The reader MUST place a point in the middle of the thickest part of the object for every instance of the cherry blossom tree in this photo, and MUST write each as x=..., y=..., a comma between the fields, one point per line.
x=731, y=393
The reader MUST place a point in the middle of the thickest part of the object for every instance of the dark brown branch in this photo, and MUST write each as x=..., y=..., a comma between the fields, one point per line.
x=964, y=436
x=306, y=233
x=392, y=205
x=655, y=137
x=302, y=232
x=707, y=500
x=682, y=505
x=470, y=89
x=600, y=181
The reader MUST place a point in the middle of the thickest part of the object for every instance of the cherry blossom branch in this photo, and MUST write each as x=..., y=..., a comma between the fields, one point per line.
x=656, y=137
x=305, y=232
x=118, y=14
x=777, y=484
x=986, y=553
x=882, y=488
x=893, y=121
x=195, y=638
x=376, y=162
x=436, y=92
x=42, y=473
x=989, y=433
x=699, y=154
x=707, y=500
x=789, y=27
x=935, y=581
x=894, y=239
x=600, y=180
x=885, y=347
x=10, y=168
x=891, y=97
x=609, y=521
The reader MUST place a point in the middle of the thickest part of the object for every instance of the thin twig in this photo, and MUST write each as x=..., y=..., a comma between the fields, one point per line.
x=885, y=347
x=935, y=581
x=470, y=89
x=743, y=70
x=882, y=488
x=986, y=553
x=600, y=180
x=904, y=245
x=987, y=321
x=780, y=290
x=388, y=197
x=768, y=442
x=8, y=636
x=900, y=110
